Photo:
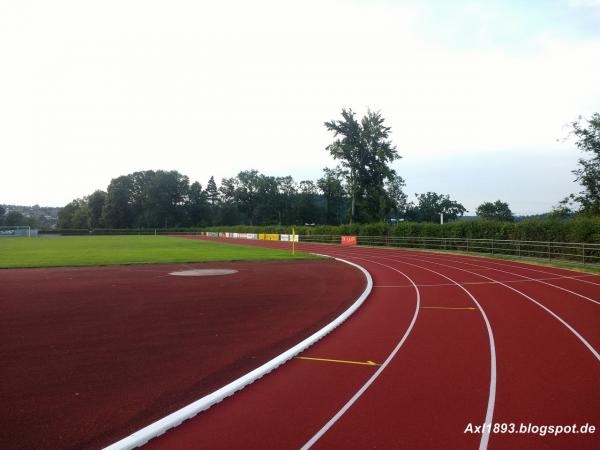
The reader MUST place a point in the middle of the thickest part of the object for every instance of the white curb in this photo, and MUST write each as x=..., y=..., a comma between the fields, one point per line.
x=174, y=419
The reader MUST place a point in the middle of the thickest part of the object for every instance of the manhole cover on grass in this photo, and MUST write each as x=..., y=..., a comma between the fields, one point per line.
x=202, y=272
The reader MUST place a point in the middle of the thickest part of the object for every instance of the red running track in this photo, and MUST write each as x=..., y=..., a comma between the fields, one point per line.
x=89, y=355
x=460, y=340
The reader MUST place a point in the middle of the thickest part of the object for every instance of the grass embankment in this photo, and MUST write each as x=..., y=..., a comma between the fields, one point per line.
x=107, y=250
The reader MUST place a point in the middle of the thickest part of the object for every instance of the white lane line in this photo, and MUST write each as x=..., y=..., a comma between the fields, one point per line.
x=468, y=283
x=512, y=273
x=407, y=252
x=549, y=311
x=174, y=419
x=492, y=389
x=370, y=381
x=525, y=267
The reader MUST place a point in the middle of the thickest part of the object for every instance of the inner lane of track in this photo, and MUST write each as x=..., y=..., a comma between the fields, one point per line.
x=442, y=377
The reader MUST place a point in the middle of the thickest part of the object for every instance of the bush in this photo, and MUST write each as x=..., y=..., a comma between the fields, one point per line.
x=581, y=229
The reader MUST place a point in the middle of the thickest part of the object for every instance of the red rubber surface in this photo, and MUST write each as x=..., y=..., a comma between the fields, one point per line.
x=90, y=355
x=439, y=381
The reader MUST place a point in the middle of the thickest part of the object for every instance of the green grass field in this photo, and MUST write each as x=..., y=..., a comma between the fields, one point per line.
x=106, y=250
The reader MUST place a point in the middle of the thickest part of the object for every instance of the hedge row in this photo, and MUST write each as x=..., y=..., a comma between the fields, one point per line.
x=582, y=229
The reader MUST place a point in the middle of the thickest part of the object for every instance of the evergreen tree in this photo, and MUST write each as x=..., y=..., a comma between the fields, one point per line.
x=212, y=193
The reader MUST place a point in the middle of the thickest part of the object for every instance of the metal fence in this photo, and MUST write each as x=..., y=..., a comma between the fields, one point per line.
x=579, y=252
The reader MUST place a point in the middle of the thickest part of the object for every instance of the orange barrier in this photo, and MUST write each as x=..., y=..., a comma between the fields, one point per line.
x=349, y=240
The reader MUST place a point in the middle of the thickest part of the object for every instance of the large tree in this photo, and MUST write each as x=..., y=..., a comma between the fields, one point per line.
x=246, y=194
x=166, y=195
x=198, y=209
x=75, y=215
x=431, y=204
x=95, y=204
x=365, y=154
x=588, y=174
x=332, y=187
x=308, y=207
x=147, y=199
x=118, y=208
x=498, y=210
x=286, y=195
x=395, y=190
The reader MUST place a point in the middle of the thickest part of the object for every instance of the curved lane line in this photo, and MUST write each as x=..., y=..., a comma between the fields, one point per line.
x=485, y=436
x=548, y=310
x=174, y=419
x=526, y=267
x=512, y=273
x=370, y=381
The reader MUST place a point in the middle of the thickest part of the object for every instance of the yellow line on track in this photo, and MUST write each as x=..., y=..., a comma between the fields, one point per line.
x=360, y=363
x=443, y=307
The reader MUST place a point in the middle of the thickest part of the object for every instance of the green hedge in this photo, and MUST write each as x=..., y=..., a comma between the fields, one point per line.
x=581, y=229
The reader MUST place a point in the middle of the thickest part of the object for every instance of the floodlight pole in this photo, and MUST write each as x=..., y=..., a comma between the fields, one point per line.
x=442, y=218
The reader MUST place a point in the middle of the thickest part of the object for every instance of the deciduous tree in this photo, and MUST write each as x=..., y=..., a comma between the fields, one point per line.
x=497, y=210
x=588, y=173
x=431, y=204
x=365, y=154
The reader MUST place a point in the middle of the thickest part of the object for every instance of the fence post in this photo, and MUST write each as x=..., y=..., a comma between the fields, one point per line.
x=519, y=248
x=583, y=253
x=492, y=246
x=467, y=245
x=549, y=252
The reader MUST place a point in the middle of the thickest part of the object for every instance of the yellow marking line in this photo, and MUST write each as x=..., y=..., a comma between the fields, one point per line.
x=360, y=363
x=443, y=307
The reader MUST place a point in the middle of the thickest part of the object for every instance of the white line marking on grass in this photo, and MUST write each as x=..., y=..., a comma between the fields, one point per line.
x=174, y=419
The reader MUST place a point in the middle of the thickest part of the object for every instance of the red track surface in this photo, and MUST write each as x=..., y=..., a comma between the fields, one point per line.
x=89, y=355
x=546, y=369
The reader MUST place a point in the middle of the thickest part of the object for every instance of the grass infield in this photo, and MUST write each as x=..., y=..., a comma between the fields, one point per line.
x=106, y=250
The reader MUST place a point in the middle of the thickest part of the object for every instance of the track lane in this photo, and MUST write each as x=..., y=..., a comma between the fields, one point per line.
x=272, y=414
x=567, y=306
x=472, y=397
x=547, y=282
x=581, y=282
x=545, y=376
x=582, y=318
x=331, y=422
x=593, y=317
x=345, y=435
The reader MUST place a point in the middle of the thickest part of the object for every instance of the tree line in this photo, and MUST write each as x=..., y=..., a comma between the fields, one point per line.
x=160, y=199
x=362, y=188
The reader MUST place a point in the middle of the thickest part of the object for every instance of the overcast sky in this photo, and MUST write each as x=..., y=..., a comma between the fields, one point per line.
x=478, y=94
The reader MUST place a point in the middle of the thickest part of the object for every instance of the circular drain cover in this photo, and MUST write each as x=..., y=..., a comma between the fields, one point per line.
x=203, y=272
